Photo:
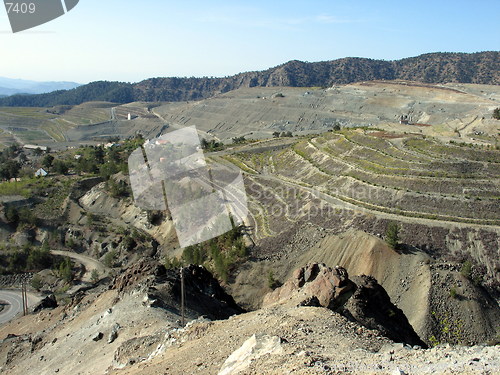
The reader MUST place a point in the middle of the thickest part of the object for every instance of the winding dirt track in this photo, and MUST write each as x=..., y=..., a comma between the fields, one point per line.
x=89, y=263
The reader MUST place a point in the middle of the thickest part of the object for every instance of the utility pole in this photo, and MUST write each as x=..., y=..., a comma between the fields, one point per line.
x=26, y=296
x=23, y=296
x=182, y=298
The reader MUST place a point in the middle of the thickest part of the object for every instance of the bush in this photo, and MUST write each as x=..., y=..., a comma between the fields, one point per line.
x=117, y=188
x=237, y=140
x=11, y=215
x=392, y=235
x=60, y=167
x=109, y=258
x=173, y=263
x=39, y=259
x=129, y=243
x=36, y=282
x=453, y=292
x=94, y=276
x=496, y=113
x=65, y=270
x=272, y=283
x=466, y=269
x=27, y=216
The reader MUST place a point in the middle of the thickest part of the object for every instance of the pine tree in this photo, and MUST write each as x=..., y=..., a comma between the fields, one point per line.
x=392, y=235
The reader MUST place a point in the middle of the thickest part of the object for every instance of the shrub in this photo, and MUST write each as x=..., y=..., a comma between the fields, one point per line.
x=237, y=140
x=39, y=259
x=117, y=188
x=272, y=283
x=65, y=270
x=466, y=269
x=11, y=215
x=36, y=282
x=453, y=292
x=60, y=167
x=172, y=263
x=94, y=276
x=109, y=258
x=392, y=235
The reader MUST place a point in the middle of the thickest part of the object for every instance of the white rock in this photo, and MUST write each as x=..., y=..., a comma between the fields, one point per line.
x=255, y=347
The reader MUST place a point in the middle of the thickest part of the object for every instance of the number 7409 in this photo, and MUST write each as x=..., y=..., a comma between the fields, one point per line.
x=22, y=8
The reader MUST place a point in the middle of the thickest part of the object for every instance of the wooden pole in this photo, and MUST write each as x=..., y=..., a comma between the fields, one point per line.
x=26, y=296
x=182, y=298
x=22, y=296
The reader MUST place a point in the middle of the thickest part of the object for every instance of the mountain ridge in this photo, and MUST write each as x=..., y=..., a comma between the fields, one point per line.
x=10, y=86
x=449, y=67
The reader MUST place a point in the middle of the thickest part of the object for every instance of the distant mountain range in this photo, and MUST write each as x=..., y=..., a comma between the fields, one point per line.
x=480, y=67
x=9, y=86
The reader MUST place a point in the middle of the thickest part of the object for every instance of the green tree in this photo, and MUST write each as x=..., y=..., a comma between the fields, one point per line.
x=39, y=259
x=12, y=215
x=272, y=283
x=47, y=161
x=496, y=113
x=392, y=235
x=65, y=270
x=108, y=169
x=27, y=216
x=9, y=169
x=109, y=258
x=117, y=188
x=94, y=276
x=36, y=282
x=60, y=167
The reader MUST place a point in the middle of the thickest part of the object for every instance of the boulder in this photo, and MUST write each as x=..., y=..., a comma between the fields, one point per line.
x=255, y=347
x=330, y=286
x=49, y=302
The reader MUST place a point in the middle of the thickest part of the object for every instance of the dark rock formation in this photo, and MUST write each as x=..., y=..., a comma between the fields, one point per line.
x=361, y=299
x=48, y=302
x=371, y=306
x=203, y=293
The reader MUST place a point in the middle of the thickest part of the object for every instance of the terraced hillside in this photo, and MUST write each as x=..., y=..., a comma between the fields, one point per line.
x=445, y=196
x=462, y=111
x=454, y=111
x=72, y=125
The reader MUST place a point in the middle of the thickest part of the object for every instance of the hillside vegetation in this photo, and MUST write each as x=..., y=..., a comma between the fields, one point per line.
x=480, y=68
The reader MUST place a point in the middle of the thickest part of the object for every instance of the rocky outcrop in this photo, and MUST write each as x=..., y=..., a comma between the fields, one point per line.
x=203, y=293
x=330, y=286
x=361, y=299
x=371, y=306
x=48, y=302
x=252, y=349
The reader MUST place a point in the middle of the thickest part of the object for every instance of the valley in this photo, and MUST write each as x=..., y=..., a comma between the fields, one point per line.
x=397, y=180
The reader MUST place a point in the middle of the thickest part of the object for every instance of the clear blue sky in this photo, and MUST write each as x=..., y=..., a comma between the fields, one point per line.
x=134, y=40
